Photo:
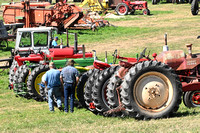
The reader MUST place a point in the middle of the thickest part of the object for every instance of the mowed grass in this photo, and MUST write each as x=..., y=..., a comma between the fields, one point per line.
x=132, y=34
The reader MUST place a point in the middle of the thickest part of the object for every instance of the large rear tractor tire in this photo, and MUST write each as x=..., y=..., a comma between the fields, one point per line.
x=191, y=99
x=195, y=7
x=151, y=90
x=122, y=9
x=34, y=80
x=88, y=91
x=100, y=88
x=81, y=85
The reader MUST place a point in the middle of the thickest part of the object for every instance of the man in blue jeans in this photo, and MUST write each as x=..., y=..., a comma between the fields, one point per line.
x=69, y=78
x=52, y=82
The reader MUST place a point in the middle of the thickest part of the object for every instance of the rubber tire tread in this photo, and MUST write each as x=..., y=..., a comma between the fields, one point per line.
x=88, y=90
x=16, y=77
x=12, y=71
x=186, y=99
x=194, y=7
x=23, y=72
x=104, y=76
x=112, y=92
x=30, y=83
x=131, y=77
x=80, y=86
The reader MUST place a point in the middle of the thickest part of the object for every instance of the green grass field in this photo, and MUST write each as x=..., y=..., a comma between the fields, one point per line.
x=130, y=36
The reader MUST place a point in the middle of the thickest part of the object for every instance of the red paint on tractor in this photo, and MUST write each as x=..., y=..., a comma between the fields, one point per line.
x=34, y=15
x=190, y=86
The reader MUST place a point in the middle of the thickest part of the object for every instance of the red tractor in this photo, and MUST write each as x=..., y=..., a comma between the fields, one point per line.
x=63, y=16
x=125, y=6
x=122, y=7
x=146, y=88
x=32, y=54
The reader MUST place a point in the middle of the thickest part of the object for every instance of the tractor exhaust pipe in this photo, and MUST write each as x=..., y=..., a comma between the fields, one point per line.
x=75, y=43
x=95, y=55
x=106, y=57
x=165, y=47
x=83, y=49
x=189, y=47
x=67, y=37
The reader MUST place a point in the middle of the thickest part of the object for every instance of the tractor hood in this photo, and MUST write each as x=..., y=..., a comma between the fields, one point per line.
x=173, y=58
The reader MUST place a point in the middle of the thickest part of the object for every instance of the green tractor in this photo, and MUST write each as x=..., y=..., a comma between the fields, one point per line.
x=32, y=54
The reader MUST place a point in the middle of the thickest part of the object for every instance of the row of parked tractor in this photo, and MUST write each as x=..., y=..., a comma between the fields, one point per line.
x=145, y=87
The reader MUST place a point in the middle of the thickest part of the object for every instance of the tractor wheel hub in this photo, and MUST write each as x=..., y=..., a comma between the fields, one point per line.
x=153, y=93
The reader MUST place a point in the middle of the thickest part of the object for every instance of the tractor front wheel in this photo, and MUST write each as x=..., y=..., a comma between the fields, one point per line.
x=191, y=99
x=122, y=9
x=195, y=7
x=151, y=90
x=146, y=12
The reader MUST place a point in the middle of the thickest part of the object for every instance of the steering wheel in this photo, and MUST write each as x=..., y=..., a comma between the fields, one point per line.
x=114, y=56
x=142, y=54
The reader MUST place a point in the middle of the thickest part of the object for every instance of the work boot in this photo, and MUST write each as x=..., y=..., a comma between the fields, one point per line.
x=60, y=108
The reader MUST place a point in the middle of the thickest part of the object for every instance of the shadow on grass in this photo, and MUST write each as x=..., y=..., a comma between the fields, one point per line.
x=185, y=113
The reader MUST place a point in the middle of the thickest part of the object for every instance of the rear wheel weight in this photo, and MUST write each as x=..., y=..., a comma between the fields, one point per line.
x=160, y=91
x=34, y=79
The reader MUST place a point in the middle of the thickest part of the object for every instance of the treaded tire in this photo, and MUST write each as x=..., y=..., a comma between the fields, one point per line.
x=146, y=12
x=88, y=90
x=37, y=73
x=99, y=89
x=122, y=9
x=190, y=1
x=112, y=92
x=16, y=77
x=188, y=99
x=21, y=76
x=195, y=7
x=154, y=2
x=112, y=95
x=12, y=71
x=43, y=93
x=152, y=100
x=81, y=85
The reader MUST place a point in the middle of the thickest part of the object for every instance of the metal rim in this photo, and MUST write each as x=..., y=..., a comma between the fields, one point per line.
x=38, y=80
x=122, y=9
x=194, y=98
x=153, y=91
x=145, y=12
